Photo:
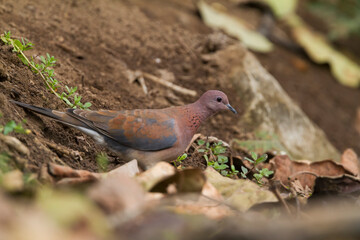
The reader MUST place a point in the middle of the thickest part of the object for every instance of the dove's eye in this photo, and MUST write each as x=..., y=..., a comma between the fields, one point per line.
x=219, y=99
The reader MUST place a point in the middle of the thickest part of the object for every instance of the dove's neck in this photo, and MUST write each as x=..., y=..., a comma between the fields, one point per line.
x=196, y=114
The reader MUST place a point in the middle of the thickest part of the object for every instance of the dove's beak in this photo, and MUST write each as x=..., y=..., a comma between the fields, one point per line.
x=231, y=108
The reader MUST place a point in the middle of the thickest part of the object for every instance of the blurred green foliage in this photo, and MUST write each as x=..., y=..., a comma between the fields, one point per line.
x=342, y=16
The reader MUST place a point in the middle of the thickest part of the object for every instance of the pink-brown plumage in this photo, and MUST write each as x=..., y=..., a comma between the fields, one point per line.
x=148, y=135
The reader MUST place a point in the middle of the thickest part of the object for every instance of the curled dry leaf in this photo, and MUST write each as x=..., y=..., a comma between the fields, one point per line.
x=67, y=175
x=307, y=172
x=152, y=176
x=130, y=169
x=350, y=161
x=187, y=180
x=345, y=184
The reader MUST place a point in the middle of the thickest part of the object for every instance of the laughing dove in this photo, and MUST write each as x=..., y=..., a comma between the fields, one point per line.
x=148, y=135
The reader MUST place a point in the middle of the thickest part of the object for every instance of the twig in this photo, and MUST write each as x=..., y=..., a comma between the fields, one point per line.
x=298, y=208
x=170, y=85
x=143, y=85
x=275, y=190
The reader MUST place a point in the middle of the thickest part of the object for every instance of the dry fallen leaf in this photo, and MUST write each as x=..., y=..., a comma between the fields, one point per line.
x=350, y=161
x=120, y=196
x=157, y=173
x=307, y=172
x=338, y=185
x=13, y=181
x=187, y=180
x=282, y=8
x=219, y=19
x=202, y=205
x=346, y=71
x=70, y=208
x=67, y=175
x=240, y=193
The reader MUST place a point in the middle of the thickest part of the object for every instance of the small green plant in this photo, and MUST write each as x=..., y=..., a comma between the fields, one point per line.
x=4, y=163
x=259, y=174
x=262, y=173
x=102, y=161
x=341, y=16
x=12, y=126
x=45, y=69
x=179, y=160
x=214, y=158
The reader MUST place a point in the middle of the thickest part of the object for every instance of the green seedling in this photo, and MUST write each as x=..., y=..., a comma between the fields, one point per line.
x=45, y=69
x=262, y=173
x=102, y=161
x=12, y=126
x=259, y=173
x=5, y=163
x=179, y=160
x=215, y=159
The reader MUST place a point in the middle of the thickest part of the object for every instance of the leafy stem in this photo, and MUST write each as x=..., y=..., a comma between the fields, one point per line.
x=43, y=69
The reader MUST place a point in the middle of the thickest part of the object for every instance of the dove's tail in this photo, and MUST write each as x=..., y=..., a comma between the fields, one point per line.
x=43, y=111
x=64, y=118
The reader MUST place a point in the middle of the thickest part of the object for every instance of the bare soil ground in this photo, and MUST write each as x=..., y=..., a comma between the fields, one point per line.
x=96, y=42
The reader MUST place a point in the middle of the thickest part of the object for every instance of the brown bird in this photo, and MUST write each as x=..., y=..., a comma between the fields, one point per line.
x=148, y=135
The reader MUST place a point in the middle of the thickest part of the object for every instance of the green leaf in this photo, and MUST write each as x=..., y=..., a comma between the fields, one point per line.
x=219, y=149
x=248, y=159
x=243, y=175
x=244, y=170
x=224, y=172
x=233, y=168
x=262, y=158
x=200, y=142
x=253, y=155
x=222, y=159
x=206, y=158
x=102, y=161
x=266, y=172
x=9, y=127
x=19, y=129
x=18, y=45
x=43, y=59
x=221, y=166
x=258, y=176
x=182, y=157
x=87, y=105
